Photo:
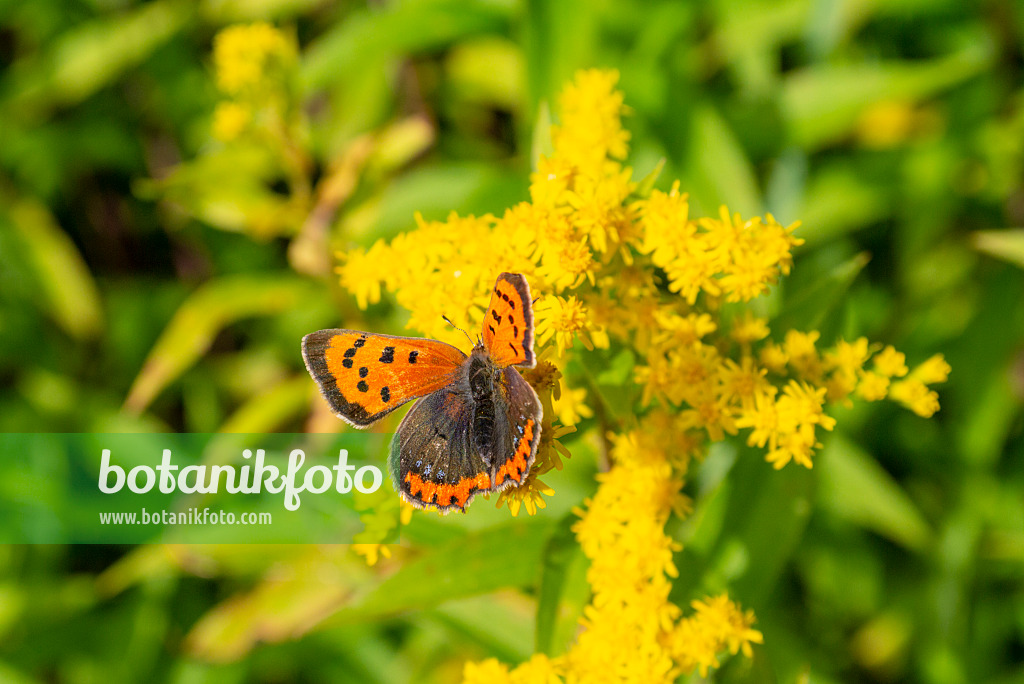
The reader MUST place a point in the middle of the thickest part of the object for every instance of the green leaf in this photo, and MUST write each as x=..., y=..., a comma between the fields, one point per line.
x=396, y=30
x=68, y=289
x=271, y=410
x=559, y=39
x=763, y=523
x=93, y=54
x=501, y=624
x=807, y=309
x=563, y=589
x=477, y=563
x=284, y=606
x=230, y=190
x=1007, y=245
x=541, y=145
x=718, y=170
x=646, y=185
x=839, y=200
x=209, y=309
x=824, y=102
x=852, y=485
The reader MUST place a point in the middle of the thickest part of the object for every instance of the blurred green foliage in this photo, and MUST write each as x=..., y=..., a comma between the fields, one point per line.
x=155, y=279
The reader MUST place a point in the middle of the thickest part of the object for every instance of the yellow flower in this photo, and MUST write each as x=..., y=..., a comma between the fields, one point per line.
x=230, y=119
x=916, y=396
x=717, y=625
x=886, y=123
x=571, y=407
x=742, y=381
x=683, y=330
x=666, y=228
x=591, y=121
x=244, y=56
x=552, y=180
x=774, y=357
x=890, y=363
x=849, y=357
x=787, y=424
x=406, y=511
x=666, y=293
x=530, y=494
x=565, y=320
x=803, y=355
x=372, y=552
x=932, y=371
x=748, y=329
x=488, y=671
x=873, y=386
x=360, y=273
x=537, y=670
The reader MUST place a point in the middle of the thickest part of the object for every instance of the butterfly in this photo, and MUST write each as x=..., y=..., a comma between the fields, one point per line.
x=477, y=424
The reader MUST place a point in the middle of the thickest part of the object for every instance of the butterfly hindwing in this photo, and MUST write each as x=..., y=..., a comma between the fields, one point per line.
x=365, y=376
x=518, y=415
x=433, y=461
x=508, y=323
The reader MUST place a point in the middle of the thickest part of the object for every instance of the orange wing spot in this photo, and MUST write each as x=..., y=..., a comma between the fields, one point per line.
x=508, y=323
x=515, y=467
x=446, y=494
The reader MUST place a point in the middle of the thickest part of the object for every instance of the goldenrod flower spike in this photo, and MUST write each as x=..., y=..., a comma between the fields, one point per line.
x=676, y=294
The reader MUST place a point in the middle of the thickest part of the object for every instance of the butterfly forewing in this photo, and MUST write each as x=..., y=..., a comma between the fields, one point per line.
x=433, y=461
x=478, y=424
x=508, y=323
x=365, y=376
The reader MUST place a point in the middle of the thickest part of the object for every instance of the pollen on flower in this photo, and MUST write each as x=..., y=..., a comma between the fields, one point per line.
x=566, y=320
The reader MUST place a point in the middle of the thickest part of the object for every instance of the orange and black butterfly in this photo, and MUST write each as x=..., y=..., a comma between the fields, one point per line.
x=477, y=426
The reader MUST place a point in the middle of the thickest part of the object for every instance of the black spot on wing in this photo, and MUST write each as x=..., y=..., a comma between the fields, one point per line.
x=385, y=394
x=388, y=355
x=364, y=371
x=362, y=386
x=412, y=356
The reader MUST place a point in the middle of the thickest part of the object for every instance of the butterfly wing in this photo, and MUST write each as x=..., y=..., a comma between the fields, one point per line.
x=517, y=425
x=508, y=323
x=433, y=461
x=365, y=376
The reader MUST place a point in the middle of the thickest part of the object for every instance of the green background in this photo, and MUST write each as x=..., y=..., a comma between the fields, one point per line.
x=900, y=557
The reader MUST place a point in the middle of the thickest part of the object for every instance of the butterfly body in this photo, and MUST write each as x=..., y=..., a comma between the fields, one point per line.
x=477, y=424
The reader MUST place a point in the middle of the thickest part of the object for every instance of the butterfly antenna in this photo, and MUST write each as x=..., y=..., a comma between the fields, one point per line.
x=446, y=319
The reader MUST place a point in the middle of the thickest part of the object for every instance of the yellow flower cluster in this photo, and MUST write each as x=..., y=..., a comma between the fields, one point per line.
x=631, y=631
x=609, y=269
x=251, y=62
x=726, y=256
